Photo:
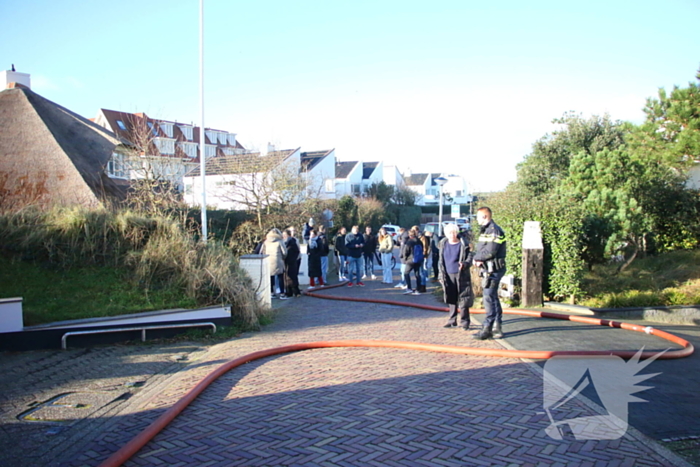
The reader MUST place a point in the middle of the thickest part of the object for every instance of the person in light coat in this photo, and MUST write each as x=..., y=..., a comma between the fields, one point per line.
x=275, y=250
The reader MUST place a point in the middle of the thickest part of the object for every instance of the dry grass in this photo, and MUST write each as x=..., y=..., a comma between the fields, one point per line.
x=158, y=249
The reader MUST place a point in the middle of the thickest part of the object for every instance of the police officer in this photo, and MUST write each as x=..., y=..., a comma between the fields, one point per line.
x=490, y=257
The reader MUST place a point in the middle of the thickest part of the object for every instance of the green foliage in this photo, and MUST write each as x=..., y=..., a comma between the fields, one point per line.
x=667, y=279
x=346, y=214
x=371, y=212
x=55, y=294
x=157, y=250
x=548, y=164
x=381, y=192
x=671, y=132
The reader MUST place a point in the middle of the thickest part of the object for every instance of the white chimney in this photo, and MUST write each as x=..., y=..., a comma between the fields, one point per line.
x=12, y=76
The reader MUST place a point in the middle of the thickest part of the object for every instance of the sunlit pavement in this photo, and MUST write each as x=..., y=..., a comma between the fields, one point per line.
x=341, y=406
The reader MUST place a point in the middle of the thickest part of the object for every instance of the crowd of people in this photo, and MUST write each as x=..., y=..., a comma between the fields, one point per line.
x=449, y=257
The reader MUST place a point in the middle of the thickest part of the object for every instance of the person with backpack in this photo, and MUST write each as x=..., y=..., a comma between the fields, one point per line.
x=412, y=256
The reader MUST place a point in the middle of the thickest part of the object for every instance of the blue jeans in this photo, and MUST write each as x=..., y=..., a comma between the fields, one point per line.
x=354, y=267
x=342, y=267
x=324, y=268
x=403, y=273
x=425, y=267
x=369, y=263
x=492, y=305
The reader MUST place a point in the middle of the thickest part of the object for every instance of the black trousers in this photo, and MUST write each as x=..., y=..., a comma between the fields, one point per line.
x=452, y=298
x=291, y=278
x=415, y=267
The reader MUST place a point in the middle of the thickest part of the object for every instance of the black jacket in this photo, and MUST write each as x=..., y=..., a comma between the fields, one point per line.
x=406, y=254
x=370, y=244
x=491, y=244
x=340, y=247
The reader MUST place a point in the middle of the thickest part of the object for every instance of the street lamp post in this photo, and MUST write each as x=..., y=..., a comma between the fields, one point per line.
x=441, y=182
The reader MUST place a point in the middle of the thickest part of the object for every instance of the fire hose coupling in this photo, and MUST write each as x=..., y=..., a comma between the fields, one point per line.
x=649, y=330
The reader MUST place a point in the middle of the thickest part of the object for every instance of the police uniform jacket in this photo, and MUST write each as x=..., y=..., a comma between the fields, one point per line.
x=491, y=245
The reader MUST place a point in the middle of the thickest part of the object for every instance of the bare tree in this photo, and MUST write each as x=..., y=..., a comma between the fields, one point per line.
x=154, y=166
x=268, y=184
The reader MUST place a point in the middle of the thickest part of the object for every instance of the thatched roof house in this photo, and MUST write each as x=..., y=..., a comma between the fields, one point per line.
x=50, y=155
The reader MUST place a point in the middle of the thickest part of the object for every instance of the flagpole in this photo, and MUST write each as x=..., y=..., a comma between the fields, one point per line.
x=202, y=145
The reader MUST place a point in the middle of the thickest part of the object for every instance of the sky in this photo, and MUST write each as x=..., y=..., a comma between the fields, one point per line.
x=460, y=87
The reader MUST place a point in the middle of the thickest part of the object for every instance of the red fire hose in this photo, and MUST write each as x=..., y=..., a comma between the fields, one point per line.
x=140, y=440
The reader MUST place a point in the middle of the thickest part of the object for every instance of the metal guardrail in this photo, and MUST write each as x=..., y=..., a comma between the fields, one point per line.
x=143, y=329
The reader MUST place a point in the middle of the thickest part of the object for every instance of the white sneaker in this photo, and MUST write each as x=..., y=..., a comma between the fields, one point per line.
x=364, y=276
x=311, y=288
x=408, y=291
x=399, y=286
x=405, y=287
x=415, y=292
x=374, y=278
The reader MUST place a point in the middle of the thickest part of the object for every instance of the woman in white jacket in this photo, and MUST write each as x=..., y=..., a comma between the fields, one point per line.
x=275, y=250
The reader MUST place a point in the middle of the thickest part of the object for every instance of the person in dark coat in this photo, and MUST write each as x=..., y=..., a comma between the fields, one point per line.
x=341, y=253
x=435, y=253
x=291, y=265
x=368, y=253
x=315, y=252
x=454, y=262
x=412, y=256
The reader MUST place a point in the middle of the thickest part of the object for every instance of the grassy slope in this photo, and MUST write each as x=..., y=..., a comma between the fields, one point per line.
x=55, y=295
x=669, y=279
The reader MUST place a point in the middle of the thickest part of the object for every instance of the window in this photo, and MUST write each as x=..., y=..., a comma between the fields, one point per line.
x=232, y=139
x=187, y=131
x=355, y=190
x=165, y=146
x=117, y=167
x=209, y=151
x=330, y=185
x=222, y=138
x=121, y=125
x=458, y=193
x=167, y=128
x=153, y=128
x=189, y=189
x=189, y=148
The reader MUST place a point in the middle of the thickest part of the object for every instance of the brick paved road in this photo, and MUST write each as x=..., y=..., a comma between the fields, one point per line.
x=384, y=407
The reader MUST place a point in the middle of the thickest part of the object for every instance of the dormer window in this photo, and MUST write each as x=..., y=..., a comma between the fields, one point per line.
x=121, y=125
x=153, y=128
x=167, y=128
x=187, y=131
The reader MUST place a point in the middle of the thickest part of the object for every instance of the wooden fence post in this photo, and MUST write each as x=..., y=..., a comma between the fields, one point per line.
x=533, y=261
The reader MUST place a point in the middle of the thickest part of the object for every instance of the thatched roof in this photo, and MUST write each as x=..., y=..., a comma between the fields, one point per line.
x=50, y=155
